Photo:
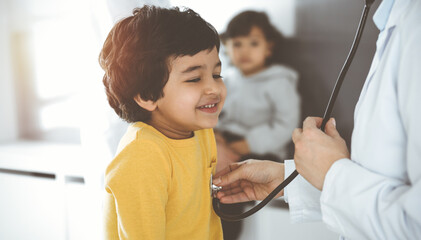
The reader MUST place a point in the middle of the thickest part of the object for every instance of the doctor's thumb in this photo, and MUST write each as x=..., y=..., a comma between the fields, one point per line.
x=330, y=128
x=227, y=178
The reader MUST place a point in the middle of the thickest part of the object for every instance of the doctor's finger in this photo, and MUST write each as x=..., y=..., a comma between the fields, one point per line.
x=331, y=129
x=231, y=191
x=312, y=122
x=296, y=134
x=236, y=187
x=231, y=186
x=228, y=169
x=237, y=172
x=235, y=198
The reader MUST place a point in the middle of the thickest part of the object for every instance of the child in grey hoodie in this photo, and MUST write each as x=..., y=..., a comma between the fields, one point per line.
x=262, y=106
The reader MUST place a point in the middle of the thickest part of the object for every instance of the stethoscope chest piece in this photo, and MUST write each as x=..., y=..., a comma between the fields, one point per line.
x=213, y=188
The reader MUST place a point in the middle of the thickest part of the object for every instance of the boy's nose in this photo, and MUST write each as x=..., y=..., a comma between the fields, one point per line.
x=244, y=50
x=212, y=87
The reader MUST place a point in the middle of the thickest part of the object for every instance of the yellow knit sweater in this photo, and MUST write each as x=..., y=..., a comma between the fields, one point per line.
x=158, y=188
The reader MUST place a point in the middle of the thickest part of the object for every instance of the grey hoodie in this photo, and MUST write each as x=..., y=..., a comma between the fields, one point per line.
x=264, y=108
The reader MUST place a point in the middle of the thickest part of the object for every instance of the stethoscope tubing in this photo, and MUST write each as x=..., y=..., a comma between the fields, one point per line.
x=215, y=202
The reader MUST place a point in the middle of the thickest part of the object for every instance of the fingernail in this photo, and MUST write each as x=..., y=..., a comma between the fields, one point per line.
x=334, y=122
x=217, y=180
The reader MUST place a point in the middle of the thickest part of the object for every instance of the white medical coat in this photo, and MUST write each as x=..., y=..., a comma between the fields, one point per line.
x=377, y=193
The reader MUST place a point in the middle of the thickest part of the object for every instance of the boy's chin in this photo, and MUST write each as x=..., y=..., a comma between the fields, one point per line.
x=209, y=124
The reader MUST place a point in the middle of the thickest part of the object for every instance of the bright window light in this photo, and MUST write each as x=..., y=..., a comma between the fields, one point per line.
x=65, y=52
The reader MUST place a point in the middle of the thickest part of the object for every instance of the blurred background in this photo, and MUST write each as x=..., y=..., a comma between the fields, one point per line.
x=57, y=132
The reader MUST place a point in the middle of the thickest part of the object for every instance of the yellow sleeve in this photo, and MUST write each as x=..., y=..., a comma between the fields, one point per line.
x=138, y=179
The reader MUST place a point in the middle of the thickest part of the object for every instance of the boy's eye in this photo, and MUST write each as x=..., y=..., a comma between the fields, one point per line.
x=254, y=43
x=194, y=80
x=216, y=76
x=237, y=44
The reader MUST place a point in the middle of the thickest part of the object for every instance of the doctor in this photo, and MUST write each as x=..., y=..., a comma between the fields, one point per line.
x=374, y=193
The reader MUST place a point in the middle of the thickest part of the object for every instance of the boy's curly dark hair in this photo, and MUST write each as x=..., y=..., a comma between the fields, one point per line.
x=136, y=52
x=241, y=25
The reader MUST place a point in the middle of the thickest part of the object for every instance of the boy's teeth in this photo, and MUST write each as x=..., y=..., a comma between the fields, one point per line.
x=209, y=106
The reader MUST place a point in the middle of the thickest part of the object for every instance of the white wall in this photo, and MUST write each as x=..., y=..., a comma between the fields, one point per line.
x=220, y=12
x=8, y=118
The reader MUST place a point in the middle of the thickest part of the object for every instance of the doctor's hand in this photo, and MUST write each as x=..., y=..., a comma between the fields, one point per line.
x=316, y=151
x=249, y=180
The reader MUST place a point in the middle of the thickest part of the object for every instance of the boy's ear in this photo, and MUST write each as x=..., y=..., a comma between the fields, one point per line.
x=146, y=104
x=269, y=49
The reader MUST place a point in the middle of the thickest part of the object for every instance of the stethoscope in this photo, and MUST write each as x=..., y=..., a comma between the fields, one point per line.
x=214, y=189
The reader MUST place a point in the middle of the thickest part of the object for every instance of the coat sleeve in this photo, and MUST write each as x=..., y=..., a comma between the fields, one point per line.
x=303, y=199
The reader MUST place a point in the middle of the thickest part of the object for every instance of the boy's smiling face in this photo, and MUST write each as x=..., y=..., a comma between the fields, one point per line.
x=193, y=96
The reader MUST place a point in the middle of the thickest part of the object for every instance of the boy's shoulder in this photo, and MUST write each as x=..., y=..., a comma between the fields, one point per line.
x=140, y=133
x=139, y=148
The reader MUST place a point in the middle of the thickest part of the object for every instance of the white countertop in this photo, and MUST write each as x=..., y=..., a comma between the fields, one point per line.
x=42, y=157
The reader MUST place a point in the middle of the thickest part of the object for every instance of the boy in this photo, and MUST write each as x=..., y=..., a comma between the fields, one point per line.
x=162, y=74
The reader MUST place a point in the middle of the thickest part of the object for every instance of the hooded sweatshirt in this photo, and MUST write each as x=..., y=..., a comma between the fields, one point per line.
x=264, y=108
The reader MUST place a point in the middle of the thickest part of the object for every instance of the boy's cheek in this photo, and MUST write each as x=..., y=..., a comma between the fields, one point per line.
x=224, y=96
x=223, y=91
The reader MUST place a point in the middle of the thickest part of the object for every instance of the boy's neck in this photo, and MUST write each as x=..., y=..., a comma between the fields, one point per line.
x=170, y=132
